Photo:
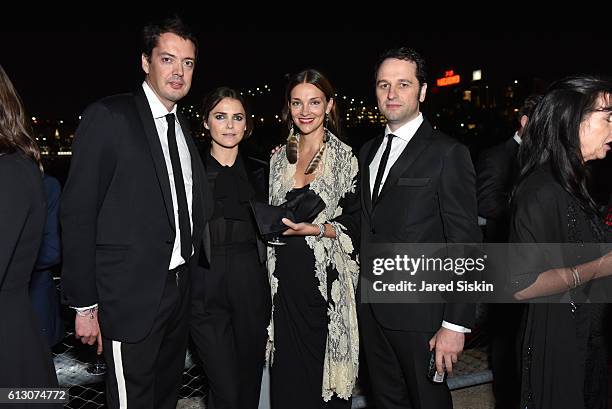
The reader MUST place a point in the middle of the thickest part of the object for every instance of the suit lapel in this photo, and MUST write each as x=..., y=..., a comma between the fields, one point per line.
x=148, y=124
x=417, y=144
x=366, y=196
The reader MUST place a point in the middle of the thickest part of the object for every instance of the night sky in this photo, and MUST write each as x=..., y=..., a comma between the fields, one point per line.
x=59, y=73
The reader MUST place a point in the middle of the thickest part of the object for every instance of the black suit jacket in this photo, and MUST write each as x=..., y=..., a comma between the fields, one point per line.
x=497, y=171
x=117, y=215
x=429, y=196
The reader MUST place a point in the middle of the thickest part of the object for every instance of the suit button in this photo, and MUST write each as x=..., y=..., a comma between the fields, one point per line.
x=169, y=241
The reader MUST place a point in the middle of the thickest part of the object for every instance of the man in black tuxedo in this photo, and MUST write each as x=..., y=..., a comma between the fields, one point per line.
x=497, y=170
x=418, y=186
x=133, y=213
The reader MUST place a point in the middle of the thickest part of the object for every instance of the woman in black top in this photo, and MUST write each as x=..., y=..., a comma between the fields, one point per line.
x=232, y=306
x=25, y=359
x=564, y=357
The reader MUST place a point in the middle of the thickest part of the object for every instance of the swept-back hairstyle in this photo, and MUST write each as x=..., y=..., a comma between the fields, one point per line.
x=553, y=134
x=15, y=132
x=316, y=78
x=152, y=31
x=212, y=99
x=406, y=54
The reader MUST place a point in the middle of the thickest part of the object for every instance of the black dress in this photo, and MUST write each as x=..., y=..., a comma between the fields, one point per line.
x=564, y=354
x=300, y=328
x=25, y=358
x=313, y=340
x=231, y=317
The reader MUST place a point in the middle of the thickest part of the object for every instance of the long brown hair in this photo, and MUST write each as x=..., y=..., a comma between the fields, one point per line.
x=15, y=133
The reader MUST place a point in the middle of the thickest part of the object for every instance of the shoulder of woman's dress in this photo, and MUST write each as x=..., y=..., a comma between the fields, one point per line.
x=540, y=191
x=341, y=145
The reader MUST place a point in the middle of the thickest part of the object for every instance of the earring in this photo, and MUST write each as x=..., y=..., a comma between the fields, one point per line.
x=292, y=145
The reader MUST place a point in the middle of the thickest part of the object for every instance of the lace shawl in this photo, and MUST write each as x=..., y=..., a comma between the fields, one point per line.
x=338, y=177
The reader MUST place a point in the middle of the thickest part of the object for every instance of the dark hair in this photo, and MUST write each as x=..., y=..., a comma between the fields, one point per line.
x=152, y=31
x=552, y=134
x=316, y=78
x=529, y=105
x=212, y=99
x=15, y=132
x=406, y=54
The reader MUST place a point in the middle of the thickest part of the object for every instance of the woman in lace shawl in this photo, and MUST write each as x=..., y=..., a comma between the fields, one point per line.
x=313, y=339
x=564, y=357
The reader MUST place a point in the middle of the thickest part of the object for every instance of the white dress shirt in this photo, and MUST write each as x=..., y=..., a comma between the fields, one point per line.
x=403, y=135
x=159, y=115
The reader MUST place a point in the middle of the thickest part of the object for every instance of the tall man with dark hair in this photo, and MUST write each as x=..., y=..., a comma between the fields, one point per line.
x=418, y=186
x=133, y=214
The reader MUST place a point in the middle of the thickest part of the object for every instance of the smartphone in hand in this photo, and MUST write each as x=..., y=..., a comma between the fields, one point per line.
x=432, y=374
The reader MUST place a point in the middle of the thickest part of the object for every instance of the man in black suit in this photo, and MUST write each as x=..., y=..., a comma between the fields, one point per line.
x=418, y=186
x=133, y=213
x=497, y=170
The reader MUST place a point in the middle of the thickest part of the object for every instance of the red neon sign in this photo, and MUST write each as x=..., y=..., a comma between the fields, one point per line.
x=449, y=79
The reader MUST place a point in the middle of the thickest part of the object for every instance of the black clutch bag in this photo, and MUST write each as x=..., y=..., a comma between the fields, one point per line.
x=301, y=207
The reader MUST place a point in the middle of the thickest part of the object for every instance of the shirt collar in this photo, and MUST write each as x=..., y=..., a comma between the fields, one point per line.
x=517, y=138
x=157, y=108
x=406, y=131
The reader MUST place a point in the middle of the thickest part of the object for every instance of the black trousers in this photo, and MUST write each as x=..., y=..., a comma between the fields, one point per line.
x=148, y=374
x=397, y=363
x=229, y=326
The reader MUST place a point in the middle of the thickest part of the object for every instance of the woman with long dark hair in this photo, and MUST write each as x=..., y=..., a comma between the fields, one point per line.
x=25, y=358
x=231, y=307
x=564, y=359
x=313, y=337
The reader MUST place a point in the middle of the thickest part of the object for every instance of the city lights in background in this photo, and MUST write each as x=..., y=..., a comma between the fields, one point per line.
x=455, y=106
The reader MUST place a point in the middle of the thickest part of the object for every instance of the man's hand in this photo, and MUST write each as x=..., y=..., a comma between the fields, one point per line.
x=448, y=345
x=86, y=328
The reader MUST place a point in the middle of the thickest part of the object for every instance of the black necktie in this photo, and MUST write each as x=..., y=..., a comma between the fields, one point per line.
x=181, y=196
x=381, y=168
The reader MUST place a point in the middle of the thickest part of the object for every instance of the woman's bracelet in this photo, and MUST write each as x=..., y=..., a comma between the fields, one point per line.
x=576, y=276
x=321, y=231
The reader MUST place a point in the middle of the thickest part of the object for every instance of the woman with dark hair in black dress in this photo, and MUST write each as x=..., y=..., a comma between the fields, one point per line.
x=231, y=307
x=25, y=358
x=564, y=357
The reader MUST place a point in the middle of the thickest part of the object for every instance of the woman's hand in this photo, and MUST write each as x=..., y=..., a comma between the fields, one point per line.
x=275, y=149
x=300, y=229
